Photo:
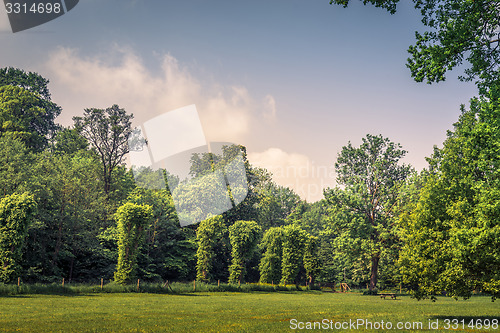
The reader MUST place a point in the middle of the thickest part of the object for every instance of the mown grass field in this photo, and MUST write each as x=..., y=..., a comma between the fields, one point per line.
x=226, y=312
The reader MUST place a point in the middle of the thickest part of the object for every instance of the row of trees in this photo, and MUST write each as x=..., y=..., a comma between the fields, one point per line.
x=70, y=208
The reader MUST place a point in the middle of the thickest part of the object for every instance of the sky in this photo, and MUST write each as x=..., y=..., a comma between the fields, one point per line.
x=291, y=80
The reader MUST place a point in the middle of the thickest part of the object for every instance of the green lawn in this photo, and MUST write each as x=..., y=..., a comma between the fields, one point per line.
x=226, y=312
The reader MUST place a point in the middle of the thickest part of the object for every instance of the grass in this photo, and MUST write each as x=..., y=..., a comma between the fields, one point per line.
x=224, y=311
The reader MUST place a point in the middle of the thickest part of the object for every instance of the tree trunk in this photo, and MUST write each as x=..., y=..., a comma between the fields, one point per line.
x=374, y=271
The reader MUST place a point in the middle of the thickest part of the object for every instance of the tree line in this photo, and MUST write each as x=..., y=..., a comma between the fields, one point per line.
x=70, y=208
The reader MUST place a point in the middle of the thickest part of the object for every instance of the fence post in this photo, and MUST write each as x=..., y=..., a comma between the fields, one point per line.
x=194, y=285
x=138, y=282
x=18, y=281
x=63, y=282
x=218, y=283
x=102, y=280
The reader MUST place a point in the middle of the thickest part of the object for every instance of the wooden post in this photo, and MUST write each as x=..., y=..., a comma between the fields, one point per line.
x=102, y=280
x=194, y=285
x=63, y=282
x=18, y=281
x=218, y=283
x=138, y=284
x=400, y=288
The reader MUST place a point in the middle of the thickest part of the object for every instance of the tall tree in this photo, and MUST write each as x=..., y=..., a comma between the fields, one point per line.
x=209, y=234
x=37, y=86
x=243, y=236
x=294, y=245
x=459, y=31
x=370, y=175
x=453, y=229
x=23, y=116
x=16, y=212
x=270, y=264
x=107, y=130
x=132, y=220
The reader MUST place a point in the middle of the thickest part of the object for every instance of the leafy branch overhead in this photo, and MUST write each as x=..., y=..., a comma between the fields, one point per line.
x=459, y=31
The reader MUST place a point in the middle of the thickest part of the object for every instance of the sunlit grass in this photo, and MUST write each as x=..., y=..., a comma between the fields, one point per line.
x=221, y=311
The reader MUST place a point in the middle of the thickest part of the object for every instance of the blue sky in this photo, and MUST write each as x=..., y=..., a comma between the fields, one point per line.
x=294, y=81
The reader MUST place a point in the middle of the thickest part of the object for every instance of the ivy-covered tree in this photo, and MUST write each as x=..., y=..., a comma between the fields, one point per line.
x=16, y=212
x=270, y=264
x=244, y=236
x=132, y=220
x=312, y=264
x=294, y=244
x=209, y=234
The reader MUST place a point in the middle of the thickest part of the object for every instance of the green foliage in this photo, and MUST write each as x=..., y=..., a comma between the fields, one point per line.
x=35, y=97
x=312, y=264
x=452, y=232
x=294, y=245
x=16, y=212
x=275, y=204
x=244, y=236
x=132, y=220
x=270, y=264
x=22, y=116
x=209, y=234
x=362, y=212
x=168, y=252
x=14, y=159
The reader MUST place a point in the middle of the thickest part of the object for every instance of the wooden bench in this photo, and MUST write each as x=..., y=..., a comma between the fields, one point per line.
x=393, y=296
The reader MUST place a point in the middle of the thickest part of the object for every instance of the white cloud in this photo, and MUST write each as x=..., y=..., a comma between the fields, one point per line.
x=79, y=82
x=295, y=171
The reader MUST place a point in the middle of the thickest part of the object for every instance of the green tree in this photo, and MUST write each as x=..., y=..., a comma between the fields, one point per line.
x=22, y=116
x=16, y=212
x=312, y=265
x=270, y=264
x=452, y=232
x=209, y=234
x=459, y=31
x=37, y=86
x=370, y=176
x=108, y=131
x=244, y=236
x=294, y=244
x=131, y=220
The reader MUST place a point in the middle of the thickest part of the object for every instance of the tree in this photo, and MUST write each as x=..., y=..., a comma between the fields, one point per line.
x=131, y=220
x=107, y=130
x=294, y=243
x=459, y=31
x=452, y=232
x=243, y=236
x=370, y=176
x=270, y=264
x=312, y=264
x=23, y=116
x=16, y=212
x=37, y=86
x=210, y=232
